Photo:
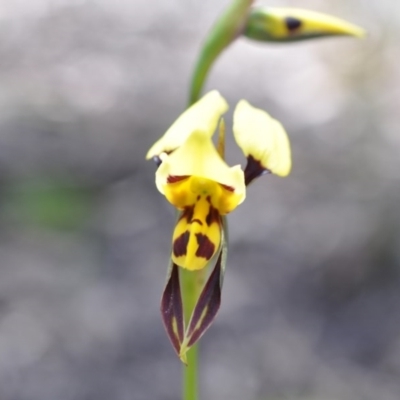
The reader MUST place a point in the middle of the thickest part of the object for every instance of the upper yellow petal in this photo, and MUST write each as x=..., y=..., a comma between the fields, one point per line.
x=263, y=137
x=202, y=115
x=198, y=157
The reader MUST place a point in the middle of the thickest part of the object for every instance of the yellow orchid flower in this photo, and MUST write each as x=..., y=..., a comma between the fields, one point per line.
x=195, y=179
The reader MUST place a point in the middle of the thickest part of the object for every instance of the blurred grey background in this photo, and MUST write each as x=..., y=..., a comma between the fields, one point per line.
x=311, y=301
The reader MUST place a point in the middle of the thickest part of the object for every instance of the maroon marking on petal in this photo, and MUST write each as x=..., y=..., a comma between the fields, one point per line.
x=171, y=309
x=209, y=301
x=253, y=170
x=229, y=188
x=205, y=247
x=187, y=213
x=176, y=178
x=213, y=216
x=180, y=244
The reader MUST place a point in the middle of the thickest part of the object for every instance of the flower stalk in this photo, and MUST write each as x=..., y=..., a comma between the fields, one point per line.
x=227, y=28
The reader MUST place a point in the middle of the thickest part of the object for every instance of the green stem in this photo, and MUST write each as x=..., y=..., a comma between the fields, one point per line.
x=192, y=283
x=227, y=28
x=190, y=375
x=224, y=32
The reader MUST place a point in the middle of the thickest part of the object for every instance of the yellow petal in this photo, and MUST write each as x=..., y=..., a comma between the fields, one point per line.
x=203, y=115
x=198, y=158
x=262, y=137
x=287, y=24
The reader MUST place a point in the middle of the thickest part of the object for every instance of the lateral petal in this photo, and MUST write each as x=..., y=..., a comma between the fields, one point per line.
x=262, y=137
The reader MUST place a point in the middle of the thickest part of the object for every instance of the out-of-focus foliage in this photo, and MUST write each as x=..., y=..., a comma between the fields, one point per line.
x=48, y=204
x=311, y=302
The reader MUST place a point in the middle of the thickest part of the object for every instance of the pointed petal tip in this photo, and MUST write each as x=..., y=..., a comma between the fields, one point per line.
x=348, y=29
x=182, y=355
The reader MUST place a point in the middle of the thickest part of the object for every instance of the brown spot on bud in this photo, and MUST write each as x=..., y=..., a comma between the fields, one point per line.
x=292, y=24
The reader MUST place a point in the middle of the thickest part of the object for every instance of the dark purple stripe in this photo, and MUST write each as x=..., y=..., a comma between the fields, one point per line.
x=171, y=307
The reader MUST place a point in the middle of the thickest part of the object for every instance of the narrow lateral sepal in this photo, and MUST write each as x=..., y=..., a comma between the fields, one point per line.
x=205, y=310
x=207, y=306
x=172, y=309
